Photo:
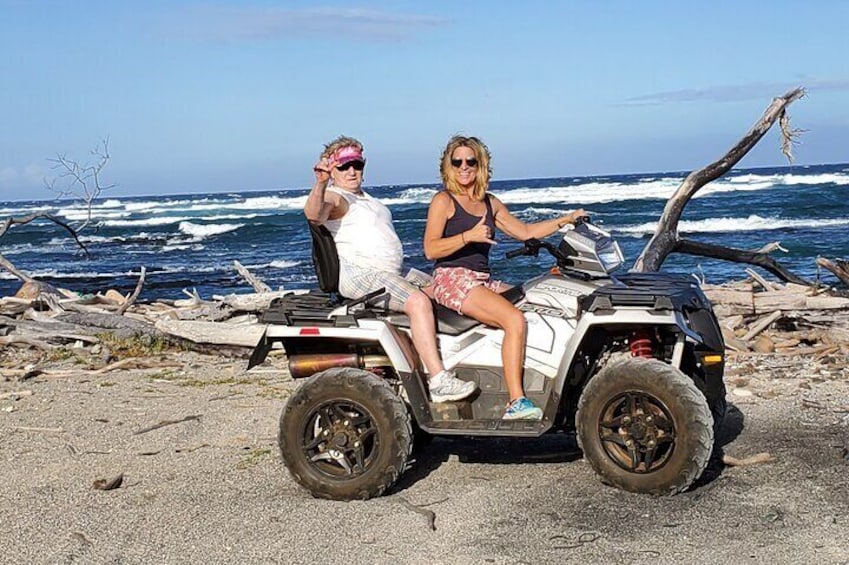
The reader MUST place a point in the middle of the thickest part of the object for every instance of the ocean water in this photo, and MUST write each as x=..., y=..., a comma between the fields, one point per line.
x=190, y=241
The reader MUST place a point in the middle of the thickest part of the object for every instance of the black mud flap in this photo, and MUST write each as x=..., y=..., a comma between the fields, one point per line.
x=260, y=352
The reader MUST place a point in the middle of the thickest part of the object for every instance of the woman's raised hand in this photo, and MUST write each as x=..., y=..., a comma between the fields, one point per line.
x=576, y=214
x=481, y=232
x=322, y=170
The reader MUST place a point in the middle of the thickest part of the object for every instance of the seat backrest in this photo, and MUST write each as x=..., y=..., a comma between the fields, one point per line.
x=324, y=258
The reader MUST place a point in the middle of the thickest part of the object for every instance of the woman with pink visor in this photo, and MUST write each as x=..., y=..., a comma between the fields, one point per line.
x=371, y=255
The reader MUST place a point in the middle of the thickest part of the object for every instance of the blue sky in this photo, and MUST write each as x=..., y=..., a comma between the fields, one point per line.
x=230, y=96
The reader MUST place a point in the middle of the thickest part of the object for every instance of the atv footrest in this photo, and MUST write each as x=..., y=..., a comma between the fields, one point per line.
x=522, y=428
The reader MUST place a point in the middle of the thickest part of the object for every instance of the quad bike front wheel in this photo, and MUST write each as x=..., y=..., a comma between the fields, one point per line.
x=345, y=434
x=645, y=427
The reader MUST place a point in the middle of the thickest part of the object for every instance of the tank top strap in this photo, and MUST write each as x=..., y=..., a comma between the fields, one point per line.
x=487, y=203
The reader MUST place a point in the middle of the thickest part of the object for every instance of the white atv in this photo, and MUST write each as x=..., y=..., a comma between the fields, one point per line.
x=632, y=363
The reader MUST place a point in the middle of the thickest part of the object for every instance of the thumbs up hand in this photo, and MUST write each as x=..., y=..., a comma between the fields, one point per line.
x=481, y=233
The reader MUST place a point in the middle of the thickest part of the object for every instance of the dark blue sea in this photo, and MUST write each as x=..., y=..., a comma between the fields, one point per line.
x=190, y=241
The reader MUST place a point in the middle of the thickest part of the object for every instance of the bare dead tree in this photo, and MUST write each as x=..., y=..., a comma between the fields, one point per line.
x=666, y=239
x=79, y=181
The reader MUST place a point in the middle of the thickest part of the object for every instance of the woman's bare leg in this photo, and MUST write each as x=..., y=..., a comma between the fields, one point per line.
x=423, y=328
x=494, y=310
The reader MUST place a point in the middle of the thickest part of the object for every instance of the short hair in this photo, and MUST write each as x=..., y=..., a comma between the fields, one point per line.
x=481, y=154
x=338, y=143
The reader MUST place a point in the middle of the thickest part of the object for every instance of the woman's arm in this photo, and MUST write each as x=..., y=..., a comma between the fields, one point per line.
x=321, y=205
x=517, y=229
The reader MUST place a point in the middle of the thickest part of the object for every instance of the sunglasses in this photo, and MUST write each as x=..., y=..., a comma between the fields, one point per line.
x=358, y=166
x=457, y=163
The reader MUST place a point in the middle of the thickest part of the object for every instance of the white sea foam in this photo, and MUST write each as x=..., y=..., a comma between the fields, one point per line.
x=719, y=225
x=54, y=273
x=80, y=214
x=201, y=231
x=411, y=196
x=276, y=264
x=157, y=221
x=182, y=247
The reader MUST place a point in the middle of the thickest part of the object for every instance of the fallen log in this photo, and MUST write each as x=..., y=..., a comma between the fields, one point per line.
x=244, y=335
x=761, y=325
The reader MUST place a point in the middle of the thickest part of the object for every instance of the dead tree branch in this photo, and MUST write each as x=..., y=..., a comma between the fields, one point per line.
x=665, y=239
x=838, y=267
x=80, y=181
x=763, y=260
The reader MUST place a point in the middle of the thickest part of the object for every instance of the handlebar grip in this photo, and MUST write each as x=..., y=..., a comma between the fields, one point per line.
x=516, y=253
x=582, y=220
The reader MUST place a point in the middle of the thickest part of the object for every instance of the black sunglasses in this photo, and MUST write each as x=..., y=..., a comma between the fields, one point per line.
x=457, y=163
x=358, y=166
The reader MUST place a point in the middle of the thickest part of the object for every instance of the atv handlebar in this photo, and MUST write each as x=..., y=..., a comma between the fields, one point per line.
x=516, y=253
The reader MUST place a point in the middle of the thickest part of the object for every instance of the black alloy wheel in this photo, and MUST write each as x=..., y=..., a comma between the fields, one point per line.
x=345, y=434
x=644, y=426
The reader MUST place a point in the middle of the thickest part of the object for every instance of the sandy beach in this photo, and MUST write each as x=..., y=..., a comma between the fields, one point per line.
x=202, y=480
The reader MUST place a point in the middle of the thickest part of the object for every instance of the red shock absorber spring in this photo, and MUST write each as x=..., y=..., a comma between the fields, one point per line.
x=642, y=344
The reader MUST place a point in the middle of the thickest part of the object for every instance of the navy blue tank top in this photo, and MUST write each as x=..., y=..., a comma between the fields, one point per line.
x=474, y=255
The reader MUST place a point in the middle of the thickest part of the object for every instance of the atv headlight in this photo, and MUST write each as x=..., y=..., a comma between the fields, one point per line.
x=610, y=256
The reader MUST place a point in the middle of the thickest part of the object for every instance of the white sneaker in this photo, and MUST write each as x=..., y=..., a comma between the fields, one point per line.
x=446, y=387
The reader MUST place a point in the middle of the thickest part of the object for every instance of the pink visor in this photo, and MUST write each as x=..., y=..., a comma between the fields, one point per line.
x=347, y=154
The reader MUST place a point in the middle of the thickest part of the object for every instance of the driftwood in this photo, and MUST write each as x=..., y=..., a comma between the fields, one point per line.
x=666, y=239
x=761, y=325
x=839, y=268
x=129, y=301
x=786, y=321
x=111, y=323
x=212, y=332
x=254, y=281
x=167, y=423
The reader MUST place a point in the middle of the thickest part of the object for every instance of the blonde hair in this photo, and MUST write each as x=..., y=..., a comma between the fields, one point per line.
x=338, y=143
x=481, y=154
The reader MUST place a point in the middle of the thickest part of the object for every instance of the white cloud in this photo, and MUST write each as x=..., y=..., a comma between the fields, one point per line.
x=270, y=24
x=15, y=181
x=735, y=92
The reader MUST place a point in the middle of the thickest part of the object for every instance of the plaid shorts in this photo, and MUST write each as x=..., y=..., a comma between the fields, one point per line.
x=451, y=285
x=355, y=282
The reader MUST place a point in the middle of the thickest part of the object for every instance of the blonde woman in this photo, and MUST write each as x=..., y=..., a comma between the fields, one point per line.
x=461, y=224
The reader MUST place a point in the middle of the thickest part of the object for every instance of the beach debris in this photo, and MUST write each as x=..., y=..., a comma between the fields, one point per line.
x=38, y=429
x=81, y=537
x=252, y=279
x=429, y=515
x=15, y=395
x=746, y=461
x=108, y=484
x=132, y=298
x=840, y=268
x=164, y=423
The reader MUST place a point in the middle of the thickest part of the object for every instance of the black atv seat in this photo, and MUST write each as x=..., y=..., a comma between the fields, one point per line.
x=325, y=258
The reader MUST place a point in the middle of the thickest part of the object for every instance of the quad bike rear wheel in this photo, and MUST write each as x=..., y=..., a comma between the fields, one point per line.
x=345, y=434
x=645, y=427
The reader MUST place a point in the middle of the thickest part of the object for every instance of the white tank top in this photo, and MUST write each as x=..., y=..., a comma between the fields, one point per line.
x=364, y=236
